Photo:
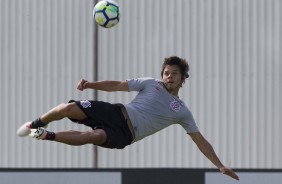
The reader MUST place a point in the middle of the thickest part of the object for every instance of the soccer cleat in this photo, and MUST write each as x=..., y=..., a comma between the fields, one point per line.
x=25, y=129
x=39, y=133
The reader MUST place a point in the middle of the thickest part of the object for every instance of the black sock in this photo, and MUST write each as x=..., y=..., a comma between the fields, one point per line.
x=37, y=123
x=50, y=136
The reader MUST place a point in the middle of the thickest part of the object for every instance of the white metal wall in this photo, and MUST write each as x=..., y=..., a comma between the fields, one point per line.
x=233, y=47
x=234, y=50
x=46, y=47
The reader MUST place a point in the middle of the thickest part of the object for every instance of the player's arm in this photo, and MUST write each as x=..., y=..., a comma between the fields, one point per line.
x=107, y=85
x=207, y=149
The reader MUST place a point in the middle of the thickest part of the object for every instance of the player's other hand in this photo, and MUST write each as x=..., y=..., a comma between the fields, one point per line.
x=82, y=84
x=229, y=172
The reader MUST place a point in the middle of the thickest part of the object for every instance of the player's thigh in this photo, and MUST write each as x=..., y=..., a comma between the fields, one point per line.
x=72, y=111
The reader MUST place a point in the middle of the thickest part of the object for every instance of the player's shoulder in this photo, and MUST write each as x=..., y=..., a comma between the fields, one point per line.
x=150, y=80
x=141, y=82
x=147, y=79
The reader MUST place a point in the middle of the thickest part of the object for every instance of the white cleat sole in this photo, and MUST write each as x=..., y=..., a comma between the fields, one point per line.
x=24, y=130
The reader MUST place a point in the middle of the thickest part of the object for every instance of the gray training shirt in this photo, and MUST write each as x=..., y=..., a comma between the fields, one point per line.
x=154, y=108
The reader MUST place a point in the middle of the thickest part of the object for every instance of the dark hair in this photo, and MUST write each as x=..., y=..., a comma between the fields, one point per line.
x=181, y=63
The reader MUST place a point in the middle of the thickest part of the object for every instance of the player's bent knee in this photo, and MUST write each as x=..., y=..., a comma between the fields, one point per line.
x=71, y=110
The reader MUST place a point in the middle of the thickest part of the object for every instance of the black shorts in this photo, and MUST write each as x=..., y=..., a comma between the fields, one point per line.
x=109, y=117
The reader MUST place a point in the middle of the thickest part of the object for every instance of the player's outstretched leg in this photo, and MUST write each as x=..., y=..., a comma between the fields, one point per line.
x=74, y=138
x=69, y=110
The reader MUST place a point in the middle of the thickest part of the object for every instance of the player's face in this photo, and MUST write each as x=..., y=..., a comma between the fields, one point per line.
x=172, y=78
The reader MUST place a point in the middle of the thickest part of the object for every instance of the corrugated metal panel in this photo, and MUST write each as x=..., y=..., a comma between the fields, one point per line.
x=234, y=50
x=46, y=47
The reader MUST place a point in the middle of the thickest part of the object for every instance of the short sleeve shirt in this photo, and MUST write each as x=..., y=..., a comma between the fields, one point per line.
x=154, y=108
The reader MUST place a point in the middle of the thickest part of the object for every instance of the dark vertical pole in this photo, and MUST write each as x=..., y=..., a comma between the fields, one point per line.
x=95, y=149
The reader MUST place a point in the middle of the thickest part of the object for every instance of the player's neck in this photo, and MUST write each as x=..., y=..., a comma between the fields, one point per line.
x=173, y=92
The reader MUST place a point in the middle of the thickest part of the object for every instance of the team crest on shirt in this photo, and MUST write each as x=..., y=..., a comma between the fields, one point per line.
x=175, y=105
x=85, y=104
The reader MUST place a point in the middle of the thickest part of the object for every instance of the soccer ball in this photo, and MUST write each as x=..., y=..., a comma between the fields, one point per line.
x=106, y=13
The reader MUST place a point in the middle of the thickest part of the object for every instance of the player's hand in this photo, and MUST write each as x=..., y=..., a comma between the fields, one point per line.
x=82, y=84
x=229, y=172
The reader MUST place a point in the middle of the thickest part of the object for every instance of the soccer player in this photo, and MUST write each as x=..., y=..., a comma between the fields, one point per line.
x=156, y=106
